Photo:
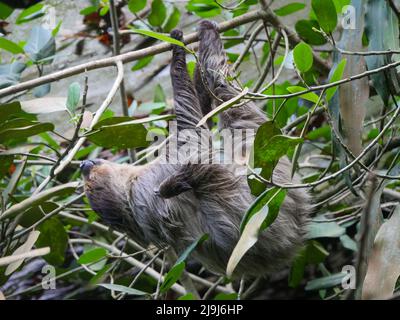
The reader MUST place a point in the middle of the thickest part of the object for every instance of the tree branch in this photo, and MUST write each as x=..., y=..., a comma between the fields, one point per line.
x=156, y=49
x=81, y=140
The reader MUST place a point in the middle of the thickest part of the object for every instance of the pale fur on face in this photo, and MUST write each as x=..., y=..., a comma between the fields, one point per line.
x=108, y=188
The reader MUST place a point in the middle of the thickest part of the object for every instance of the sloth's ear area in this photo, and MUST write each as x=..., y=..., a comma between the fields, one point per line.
x=173, y=186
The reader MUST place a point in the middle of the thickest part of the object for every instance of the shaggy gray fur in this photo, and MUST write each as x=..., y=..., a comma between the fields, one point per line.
x=176, y=204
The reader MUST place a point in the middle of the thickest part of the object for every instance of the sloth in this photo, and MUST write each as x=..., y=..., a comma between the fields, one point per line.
x=175, y=204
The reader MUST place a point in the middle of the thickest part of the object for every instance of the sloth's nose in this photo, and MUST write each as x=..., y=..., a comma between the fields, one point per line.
x=86, y=166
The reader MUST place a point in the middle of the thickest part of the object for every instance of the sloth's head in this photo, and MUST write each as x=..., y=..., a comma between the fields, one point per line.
x=108, y=188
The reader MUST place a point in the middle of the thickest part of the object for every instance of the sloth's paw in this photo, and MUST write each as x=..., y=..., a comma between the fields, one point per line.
x=172, y=187
x=207, y=25
x=177, y=34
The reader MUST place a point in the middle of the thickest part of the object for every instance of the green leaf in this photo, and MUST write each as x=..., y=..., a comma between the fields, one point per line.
x=5, y=164
x=172, y=276
x=172, y=20
x=339, y=4
x=188, y=296
x=148, y=108
x=226, y=296
x=42, y=90
x=123, y=289
x=53, y=235
x=10, y=74
x=5, y=11
x=10, y=46
x=315, y=253
x=274, y=149
x=348, y=243
x=136, y=5
x=312, y=253
x=325, y=282
x=336, y=76
x=273, y=198
x=264, y=133
x=89, y=10
x=100, y=275
x=157, y=14
x=303, y=57
x=204, y=8
x=23, y=132
x=40, y=45
x=9, y=109
x=141, y=63
x=92, y=216
x=93, y=255
x=247, y=240
x=35, y=213
x=325, y=12
x=31, y=13
x=191, y=248
x=309, y=96
x=159, y=94
x=119, y=132
x=191, y=67
x=104, y=10
x=322, y=132
x=159, y=36
x=297, y=269
x=74, y=95
x=324, y=230
x=304, y=28
x=289, y=9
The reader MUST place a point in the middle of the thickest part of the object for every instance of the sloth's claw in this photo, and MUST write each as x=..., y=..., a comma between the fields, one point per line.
x=177, y=34
x=207, y=24
x=170, y=188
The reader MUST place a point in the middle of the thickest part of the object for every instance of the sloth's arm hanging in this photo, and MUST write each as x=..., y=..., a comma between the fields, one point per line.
x=200, y=178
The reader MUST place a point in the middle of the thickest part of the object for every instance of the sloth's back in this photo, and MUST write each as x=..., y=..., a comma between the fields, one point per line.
x=218, y=211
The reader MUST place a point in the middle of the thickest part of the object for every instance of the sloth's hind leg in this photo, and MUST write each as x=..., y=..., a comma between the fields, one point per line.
x=211, y=64
x=211, y=83
x=187, y=106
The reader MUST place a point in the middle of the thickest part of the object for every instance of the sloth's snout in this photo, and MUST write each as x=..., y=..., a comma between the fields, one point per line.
x=86, y=166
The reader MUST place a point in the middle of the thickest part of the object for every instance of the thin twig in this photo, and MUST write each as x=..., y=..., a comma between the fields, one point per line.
x=117, y=51
x=131, y=56
x=81, y=140
x=132, y=261
x=339, y=172
x=247, y=48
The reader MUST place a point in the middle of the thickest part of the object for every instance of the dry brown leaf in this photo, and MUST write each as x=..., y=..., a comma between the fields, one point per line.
x=44, y=105
x=384, y=262
x=27, y=246
x=87, y=119
x=354, y=95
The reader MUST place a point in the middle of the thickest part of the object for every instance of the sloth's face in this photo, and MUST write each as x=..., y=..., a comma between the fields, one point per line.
x=107, y=186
